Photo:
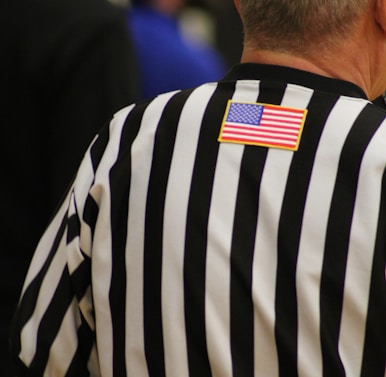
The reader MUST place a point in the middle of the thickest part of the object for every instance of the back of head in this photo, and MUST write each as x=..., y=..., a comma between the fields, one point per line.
x=299, y=26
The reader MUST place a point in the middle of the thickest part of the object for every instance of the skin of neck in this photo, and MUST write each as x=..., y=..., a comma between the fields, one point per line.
x=359, y=58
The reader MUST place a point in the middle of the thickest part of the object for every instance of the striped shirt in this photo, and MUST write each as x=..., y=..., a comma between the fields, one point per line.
x=178, y=255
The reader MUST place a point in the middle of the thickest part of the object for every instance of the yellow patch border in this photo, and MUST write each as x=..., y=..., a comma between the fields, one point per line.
x=260, y=144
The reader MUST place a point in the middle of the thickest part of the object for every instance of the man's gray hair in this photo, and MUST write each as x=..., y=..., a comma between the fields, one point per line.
x=298, y=25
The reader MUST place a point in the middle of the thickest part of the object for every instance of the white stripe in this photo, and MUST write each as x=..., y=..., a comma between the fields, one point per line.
x=220, y=227
x=361, y=251
x=176, y=204
x=101, y=254
x=312, y=241
x=93, y=362
x=142, y=155
x=265, y=263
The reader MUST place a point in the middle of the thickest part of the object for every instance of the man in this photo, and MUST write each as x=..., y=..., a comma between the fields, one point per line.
x=237, y=229
x=65, y=66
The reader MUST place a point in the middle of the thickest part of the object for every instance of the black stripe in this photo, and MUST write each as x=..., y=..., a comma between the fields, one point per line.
x=243, y=242
x=374, y=353
x=90, y=213
x=162, y=157
x=73, y=228
x=51, y=322
x=271, y=92
x=99, y=146
x=120, y=180
x=81, y=277
x=86, y=340
x=19, y=369
x=290, y=223
x=338, y=236
x=28, y=302
x=196, y=231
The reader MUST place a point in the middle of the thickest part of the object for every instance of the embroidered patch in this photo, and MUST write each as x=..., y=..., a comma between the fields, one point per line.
x=262, y=124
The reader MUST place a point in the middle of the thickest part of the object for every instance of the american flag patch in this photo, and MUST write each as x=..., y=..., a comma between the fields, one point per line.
x=262, y=124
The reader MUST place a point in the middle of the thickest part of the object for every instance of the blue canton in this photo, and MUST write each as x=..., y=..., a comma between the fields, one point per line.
x=245, y=113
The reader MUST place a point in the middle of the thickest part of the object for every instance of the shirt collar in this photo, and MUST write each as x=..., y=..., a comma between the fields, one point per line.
x=253, y=71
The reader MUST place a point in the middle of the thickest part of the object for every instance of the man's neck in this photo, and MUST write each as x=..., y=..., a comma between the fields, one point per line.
x=283, y=59
x=332, y=67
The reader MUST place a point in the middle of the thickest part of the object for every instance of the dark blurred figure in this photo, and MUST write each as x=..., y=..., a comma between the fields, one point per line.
x=65, y=65
x=168, y=58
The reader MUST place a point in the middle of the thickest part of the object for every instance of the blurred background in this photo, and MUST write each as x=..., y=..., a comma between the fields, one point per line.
x=216, y=21
x=182, y=43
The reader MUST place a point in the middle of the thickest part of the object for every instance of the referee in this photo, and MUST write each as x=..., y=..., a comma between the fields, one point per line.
x=234, y=229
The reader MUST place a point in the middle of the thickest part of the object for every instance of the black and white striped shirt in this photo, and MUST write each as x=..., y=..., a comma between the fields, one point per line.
x=178, y=255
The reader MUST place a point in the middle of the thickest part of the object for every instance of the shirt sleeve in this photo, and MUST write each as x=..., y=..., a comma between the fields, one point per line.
x=54, y=329
x=54, y=326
